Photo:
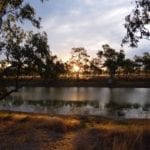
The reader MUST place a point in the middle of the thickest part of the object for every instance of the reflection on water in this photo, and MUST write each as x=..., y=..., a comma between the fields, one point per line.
x=122, y=102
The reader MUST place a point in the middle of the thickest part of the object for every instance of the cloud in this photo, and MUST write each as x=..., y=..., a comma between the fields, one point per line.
x=87, y=23
x=89, y=2
x=75, y=12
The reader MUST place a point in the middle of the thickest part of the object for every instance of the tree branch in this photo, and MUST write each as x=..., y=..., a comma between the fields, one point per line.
x=9, y=92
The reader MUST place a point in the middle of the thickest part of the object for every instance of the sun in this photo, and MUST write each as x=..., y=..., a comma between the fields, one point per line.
x=75, y=68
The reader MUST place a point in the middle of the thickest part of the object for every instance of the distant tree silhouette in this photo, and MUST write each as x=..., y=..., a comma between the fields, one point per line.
x=112, y=59
x=128, y=67
x=144, y=62
x=80, y=58
x=138, y=64
x=95, y=66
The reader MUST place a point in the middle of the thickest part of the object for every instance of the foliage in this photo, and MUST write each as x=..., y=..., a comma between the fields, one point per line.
x=128, y=66
x=95, y=66
x=146, y=61
x=80, y=58
x=112, y=59
x=28, y=51
x=137, y=23
x=19, y=10
x=143, y=61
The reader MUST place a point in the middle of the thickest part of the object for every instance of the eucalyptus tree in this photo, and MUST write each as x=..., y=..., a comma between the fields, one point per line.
x=12, y=13
x=137, y=23
x=144, y=62
x=30, y=51
x=79, y=60
x=95, y=66
x=36, y=52
x=138, y=64
x=53, y=68
x=111, y=59
x=128, y=67
x=16, y=11
x=19, y=10
x=11, y=45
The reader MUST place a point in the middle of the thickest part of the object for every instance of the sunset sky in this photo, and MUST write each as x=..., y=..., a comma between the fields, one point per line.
x=85, y=23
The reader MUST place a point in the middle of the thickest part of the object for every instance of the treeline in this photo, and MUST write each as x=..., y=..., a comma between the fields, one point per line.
x=35, y=59
x=28, y=54
x=108, y=61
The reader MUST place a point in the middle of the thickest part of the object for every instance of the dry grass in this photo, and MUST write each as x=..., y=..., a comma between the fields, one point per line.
x=22, y=131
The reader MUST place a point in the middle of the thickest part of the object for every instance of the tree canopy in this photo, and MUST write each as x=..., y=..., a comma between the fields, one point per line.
x=15, y=43
x=19, y=10
x=79, y=60
x=137, y=23
x=113, y=59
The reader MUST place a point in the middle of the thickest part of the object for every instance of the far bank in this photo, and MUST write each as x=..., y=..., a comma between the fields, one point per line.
x=100, y=82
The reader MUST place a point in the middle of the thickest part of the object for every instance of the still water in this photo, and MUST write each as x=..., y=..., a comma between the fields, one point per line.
x=111, y=102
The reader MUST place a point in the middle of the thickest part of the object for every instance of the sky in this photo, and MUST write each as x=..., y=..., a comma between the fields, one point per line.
x=85, y=23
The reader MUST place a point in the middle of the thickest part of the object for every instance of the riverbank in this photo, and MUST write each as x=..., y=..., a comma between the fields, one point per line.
x=100, y=82
x=36, y=131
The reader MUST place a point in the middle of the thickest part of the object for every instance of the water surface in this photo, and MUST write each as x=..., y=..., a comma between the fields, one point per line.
x=112, y=102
